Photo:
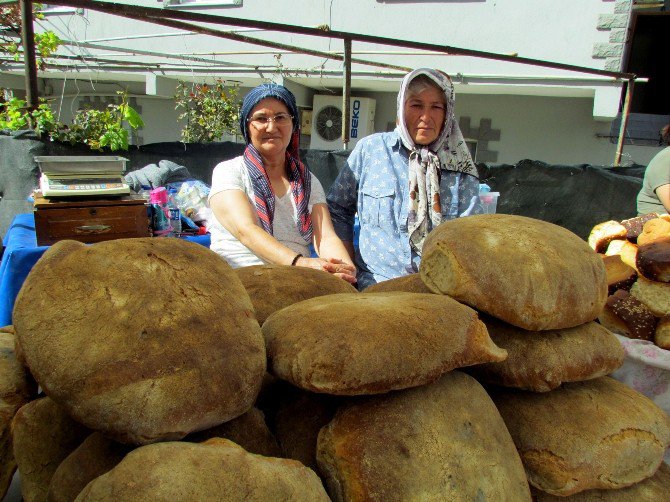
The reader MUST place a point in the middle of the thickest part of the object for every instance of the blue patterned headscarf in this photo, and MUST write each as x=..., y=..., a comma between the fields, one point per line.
x=261, y=92
x=298, y=175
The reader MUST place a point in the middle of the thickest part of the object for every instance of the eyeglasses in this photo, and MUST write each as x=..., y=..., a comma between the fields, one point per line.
x=262, y=121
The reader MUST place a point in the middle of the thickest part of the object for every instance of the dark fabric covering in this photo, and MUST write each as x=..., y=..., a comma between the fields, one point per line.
x=575, y=197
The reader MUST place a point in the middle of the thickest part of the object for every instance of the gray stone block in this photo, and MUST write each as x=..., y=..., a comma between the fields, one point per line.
x=622, y=6
x=612, y=21
x=618, y=36
x=605, y=50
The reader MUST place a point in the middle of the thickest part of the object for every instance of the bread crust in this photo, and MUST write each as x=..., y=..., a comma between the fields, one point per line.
x=542, y=360
x=526, y=272
x=597, y=434
x=626, y=315
x=427, y=443
x=390, y=341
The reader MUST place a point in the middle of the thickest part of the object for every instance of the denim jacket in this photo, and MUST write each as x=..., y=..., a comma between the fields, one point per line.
x=374, y=184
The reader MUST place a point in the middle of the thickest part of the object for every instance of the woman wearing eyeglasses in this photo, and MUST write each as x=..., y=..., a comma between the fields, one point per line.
x=266, y=205
x=404, y=183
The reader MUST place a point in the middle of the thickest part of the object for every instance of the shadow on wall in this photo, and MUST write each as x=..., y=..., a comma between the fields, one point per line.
x=575, y=197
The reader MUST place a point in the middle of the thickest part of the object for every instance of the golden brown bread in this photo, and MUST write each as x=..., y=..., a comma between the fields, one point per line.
x=626, y=315
x=635, y=225
x=215, y=470
x=653, y=489
x=658, y=228
x=527, y=272
x=95, y=456
x=626, y=250
x=273, y=287
x=16, y=389
x=44, y=435
x=653, y=260
x=597, y=434
x=353, y=344
x=438, y=442
x=248, y=430
x=411, y=283
x=142, y=339
x=542, y=360
x=619, y=275
x=603, y=233
x=662, y=334
x=655, y=295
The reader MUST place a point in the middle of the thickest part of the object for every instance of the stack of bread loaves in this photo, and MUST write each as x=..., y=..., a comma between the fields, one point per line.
x=542, y=287
x=636, y=253
x=166, y=375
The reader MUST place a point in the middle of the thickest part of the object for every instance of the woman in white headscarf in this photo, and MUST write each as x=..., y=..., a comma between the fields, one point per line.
x=404, y=183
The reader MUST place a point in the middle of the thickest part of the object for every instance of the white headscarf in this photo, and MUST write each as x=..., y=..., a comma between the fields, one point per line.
x=448, y=152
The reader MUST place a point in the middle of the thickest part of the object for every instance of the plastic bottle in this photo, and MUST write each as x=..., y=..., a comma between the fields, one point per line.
x=160, y=214
x=175, y=213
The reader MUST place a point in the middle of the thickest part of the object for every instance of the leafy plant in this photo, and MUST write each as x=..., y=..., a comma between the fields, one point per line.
x=96, y=128
x=209, y=110
x=101, y=128
x=46, y=43
x=16, y=115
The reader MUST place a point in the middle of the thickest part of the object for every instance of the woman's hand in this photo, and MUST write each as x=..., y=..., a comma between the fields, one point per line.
x=335, y=266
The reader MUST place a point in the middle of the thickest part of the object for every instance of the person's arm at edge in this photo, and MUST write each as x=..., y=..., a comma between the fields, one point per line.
x=663, y=194
x=342, y=198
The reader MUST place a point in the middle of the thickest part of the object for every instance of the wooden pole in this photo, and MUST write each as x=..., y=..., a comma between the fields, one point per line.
x=28, y=39
x=346, y=94
x=624, y=121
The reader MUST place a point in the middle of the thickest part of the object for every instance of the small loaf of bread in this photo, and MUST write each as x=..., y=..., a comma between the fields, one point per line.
x=654, y=294
x=626, y=315
x=634, y=225
x=662, y=335
x=619, y=275
x=653, y=260
x=604, y=233
x=625, y=249
x=658, y=228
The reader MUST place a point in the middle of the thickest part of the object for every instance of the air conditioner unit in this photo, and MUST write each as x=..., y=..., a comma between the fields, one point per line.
x=327, y=121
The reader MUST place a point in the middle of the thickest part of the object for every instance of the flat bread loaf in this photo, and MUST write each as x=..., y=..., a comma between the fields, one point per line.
x=653, y=489
x=354, y=344
x=542, y=360
x=141, y=339
x=273, y=287
x=597, y=434
x=527, y=272
x=215, y=470
x=439, y=442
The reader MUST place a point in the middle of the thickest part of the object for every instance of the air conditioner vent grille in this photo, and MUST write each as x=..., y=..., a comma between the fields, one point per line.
x=329, y=123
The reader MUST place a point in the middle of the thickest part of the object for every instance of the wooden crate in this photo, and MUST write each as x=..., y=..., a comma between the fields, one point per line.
x=90, y=220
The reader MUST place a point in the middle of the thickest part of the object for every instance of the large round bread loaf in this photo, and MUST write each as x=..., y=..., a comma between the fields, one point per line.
x=44, y=435
x=273, y=287
x=527, y=272
x=597, y=434
x=653, y=489
x=442, y=441
x=542, y=360
x=215, y=470
x=141, y=339
x=353, y=344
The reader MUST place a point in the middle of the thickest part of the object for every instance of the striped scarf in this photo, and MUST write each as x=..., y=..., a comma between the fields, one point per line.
x=300, y=180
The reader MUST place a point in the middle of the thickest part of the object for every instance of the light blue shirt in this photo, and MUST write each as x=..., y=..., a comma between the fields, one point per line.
x=375, y=184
